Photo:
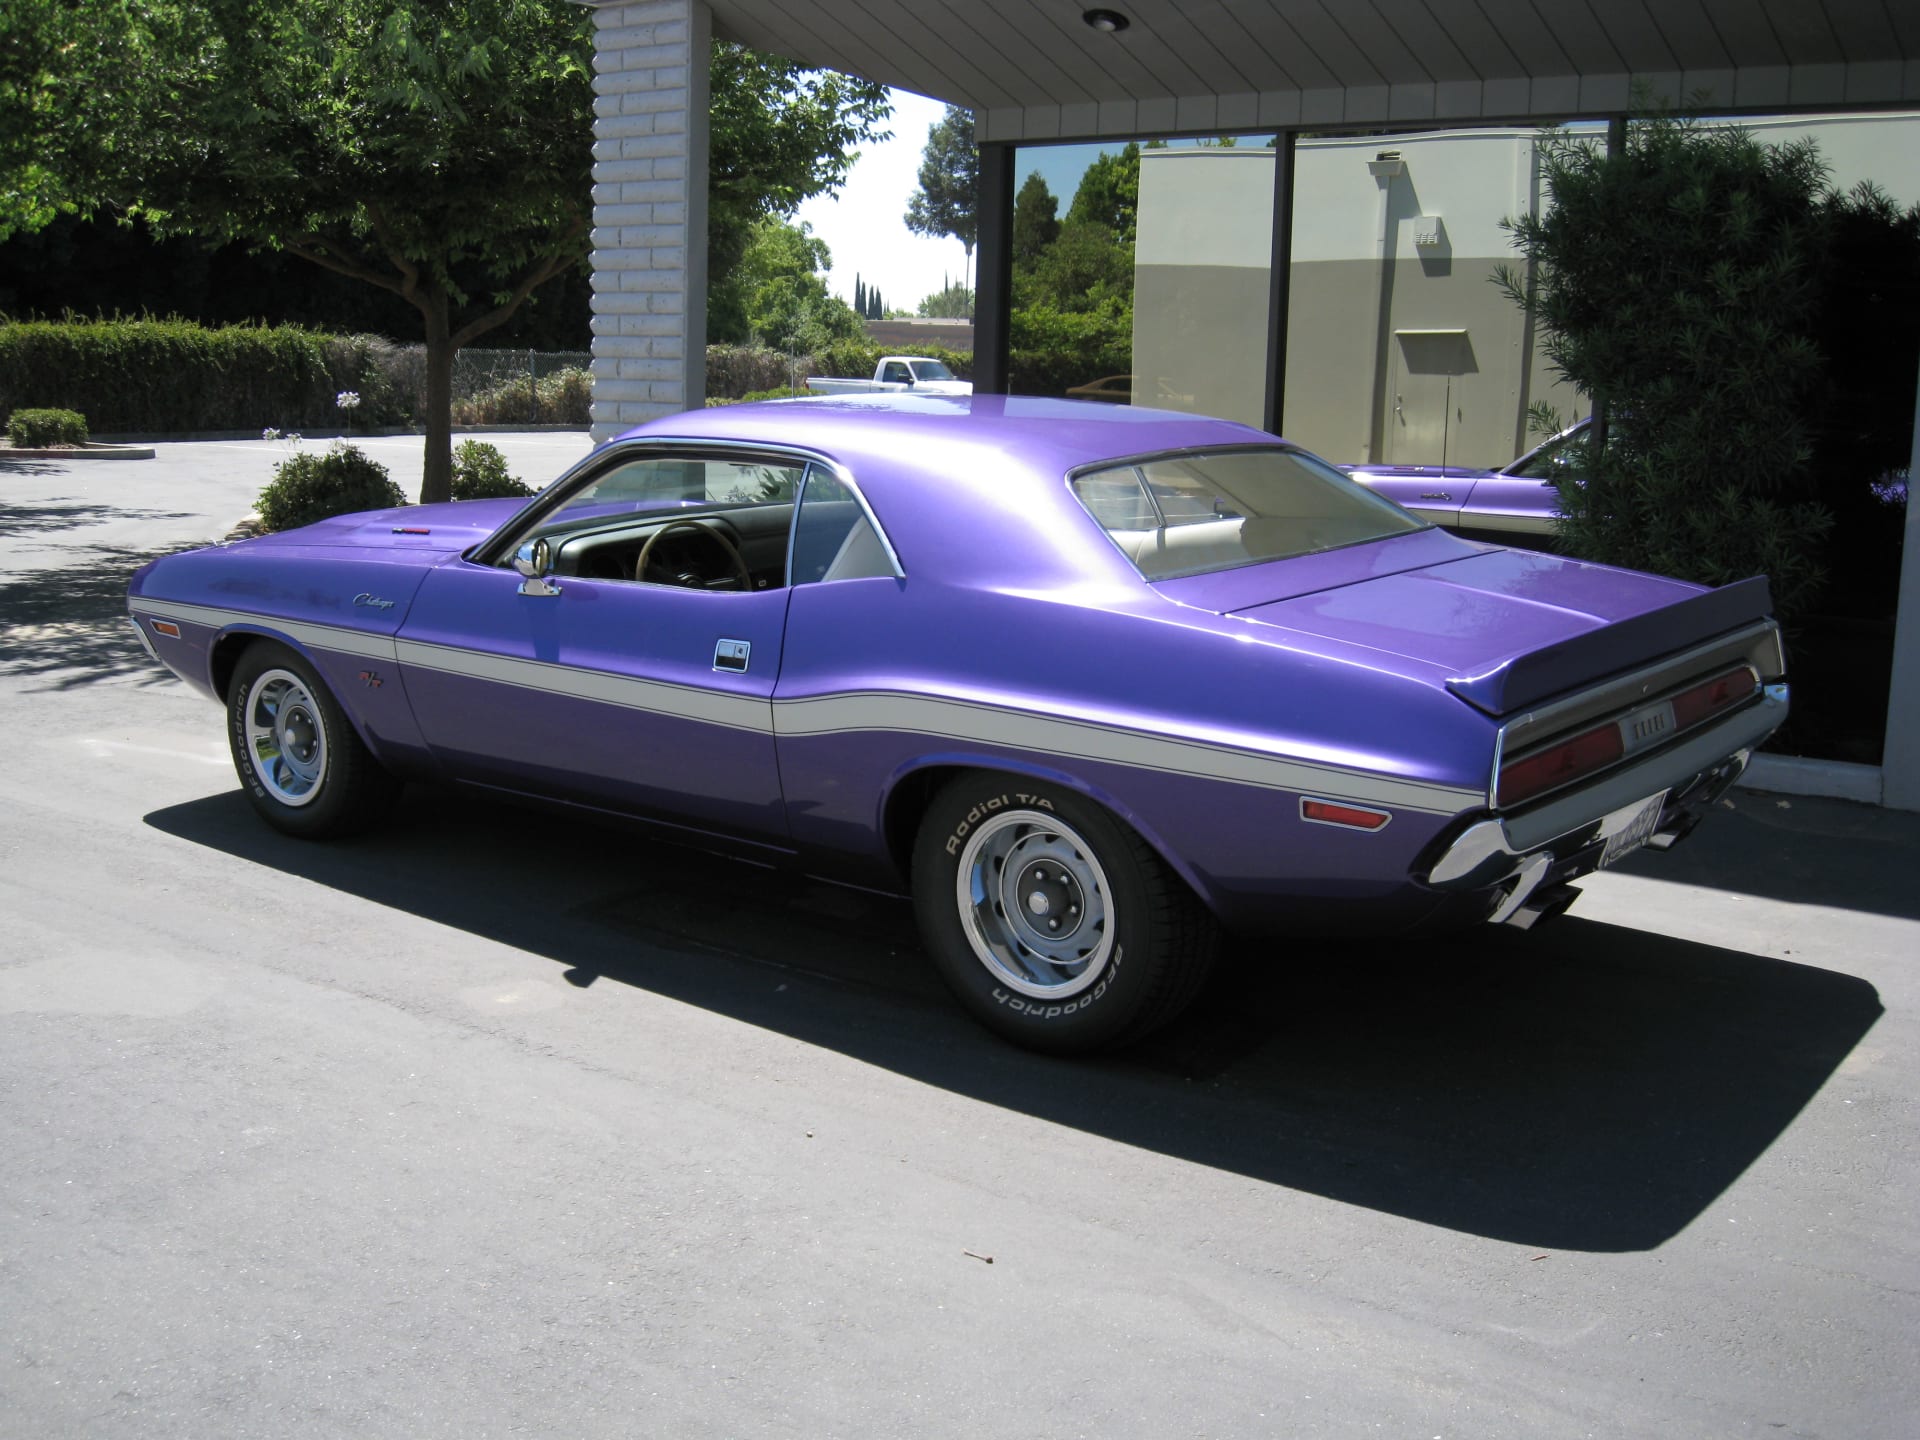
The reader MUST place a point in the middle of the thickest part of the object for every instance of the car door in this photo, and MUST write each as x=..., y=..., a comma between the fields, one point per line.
x=588, y=685
x=1524, y=499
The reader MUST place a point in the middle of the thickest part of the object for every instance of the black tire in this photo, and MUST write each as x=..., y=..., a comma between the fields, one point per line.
x=300, y=761
x=1104, y=944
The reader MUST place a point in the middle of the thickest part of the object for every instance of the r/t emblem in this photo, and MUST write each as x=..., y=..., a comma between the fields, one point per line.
x=372, y=678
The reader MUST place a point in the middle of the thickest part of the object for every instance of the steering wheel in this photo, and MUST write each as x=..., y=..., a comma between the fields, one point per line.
x=741, y=576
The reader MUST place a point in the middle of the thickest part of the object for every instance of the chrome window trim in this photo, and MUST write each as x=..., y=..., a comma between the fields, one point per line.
x=845, y=477
x=502, y=542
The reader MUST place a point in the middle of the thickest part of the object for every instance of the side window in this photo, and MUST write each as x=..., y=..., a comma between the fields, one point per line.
x=701, y=521
x=898, y=374
x=832, y=537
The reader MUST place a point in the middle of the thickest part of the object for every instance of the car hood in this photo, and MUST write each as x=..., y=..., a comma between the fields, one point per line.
x=449, y=528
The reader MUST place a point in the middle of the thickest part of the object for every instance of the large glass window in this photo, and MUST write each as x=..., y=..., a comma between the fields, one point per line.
x=1141, y=274
x=1187, y=514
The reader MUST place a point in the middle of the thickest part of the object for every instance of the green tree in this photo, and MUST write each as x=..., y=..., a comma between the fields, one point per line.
x=777, y=293
x=1678, y=282
x=438, y=151
x=779, y=134
x=949, y=190
x=1081, y=271
x=1109, y=194
x=1036, y=223
x=952, y=301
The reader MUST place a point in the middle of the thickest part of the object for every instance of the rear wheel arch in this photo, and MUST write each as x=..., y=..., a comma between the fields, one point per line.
x=912, y=793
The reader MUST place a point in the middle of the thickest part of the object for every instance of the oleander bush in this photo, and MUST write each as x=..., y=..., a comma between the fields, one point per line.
x=563, y=398
x=307, y=487
x=38, y=429
x=480, y=473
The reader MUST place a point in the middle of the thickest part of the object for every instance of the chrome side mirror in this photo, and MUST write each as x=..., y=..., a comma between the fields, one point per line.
x=534, y=561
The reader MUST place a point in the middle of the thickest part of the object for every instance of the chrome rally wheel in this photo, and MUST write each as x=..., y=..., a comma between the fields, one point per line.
x=286, y=737
x=303, y=766
x=1050, y=919
x=1036, y=904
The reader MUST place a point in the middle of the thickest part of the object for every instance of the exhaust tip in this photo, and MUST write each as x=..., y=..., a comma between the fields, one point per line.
x=1543, y=906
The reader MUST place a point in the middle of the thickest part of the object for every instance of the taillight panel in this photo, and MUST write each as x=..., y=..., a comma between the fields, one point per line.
x=1567, y=759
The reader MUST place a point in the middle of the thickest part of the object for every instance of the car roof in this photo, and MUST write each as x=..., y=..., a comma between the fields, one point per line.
x=971, y=489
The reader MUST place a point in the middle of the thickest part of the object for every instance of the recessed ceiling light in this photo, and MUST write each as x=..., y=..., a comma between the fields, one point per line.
x=1110, y=21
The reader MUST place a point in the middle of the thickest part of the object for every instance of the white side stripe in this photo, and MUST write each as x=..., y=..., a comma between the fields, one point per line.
x=868, y=712
x=324, y=637
x=1026, y=730
x=712, y=707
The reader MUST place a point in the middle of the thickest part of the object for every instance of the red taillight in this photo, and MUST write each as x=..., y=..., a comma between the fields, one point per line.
x=1325, y=812
x=1709, y=698
x=1560, y=764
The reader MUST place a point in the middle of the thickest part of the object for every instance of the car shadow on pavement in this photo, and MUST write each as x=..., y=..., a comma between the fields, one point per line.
x=69, y=624
x=1807, y=850
x=1586, y=1087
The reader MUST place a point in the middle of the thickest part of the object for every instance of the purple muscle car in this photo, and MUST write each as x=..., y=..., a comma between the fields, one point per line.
x=1096, y=684
x=1517, y=502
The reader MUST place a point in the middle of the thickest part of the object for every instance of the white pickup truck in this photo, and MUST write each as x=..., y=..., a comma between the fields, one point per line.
x=897, y=372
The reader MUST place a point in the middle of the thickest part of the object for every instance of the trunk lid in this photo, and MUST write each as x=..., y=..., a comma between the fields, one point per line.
x=1502, y=628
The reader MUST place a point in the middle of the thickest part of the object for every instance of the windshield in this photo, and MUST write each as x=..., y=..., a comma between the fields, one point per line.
x=930, y=370
x=1188, y=514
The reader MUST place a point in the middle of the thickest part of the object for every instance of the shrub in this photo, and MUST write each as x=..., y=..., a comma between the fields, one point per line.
x=1051, y=350
x=736, y=371
x=37, y=429
x=173, y=376
x=1679, y=282
x=563, y=398
x=307, y=487
x=480, y=473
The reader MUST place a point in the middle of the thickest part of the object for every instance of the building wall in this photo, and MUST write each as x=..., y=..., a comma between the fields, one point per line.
x=1203, y=258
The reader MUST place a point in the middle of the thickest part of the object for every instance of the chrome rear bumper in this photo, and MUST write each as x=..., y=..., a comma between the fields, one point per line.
x=1535, y=851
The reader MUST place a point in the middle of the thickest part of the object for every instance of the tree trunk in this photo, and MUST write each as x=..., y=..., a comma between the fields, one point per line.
x=436, y=476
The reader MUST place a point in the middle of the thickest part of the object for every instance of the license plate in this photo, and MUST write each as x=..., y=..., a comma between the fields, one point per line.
x=1638, y=829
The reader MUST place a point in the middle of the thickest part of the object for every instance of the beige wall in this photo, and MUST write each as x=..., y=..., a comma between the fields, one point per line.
x=1203, y=260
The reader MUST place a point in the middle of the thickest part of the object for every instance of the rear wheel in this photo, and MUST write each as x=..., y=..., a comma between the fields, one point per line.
x=1054, y=923
x=302, y=765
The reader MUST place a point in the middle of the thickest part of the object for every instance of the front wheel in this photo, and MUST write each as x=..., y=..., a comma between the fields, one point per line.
x=1054, y=923
x=301, y=763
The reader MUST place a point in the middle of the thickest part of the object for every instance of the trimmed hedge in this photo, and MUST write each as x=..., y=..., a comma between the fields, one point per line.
x=38, y=429
x=171, y=376
x=307, y=487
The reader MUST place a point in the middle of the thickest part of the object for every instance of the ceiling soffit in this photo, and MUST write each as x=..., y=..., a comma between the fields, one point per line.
x=1032, y=69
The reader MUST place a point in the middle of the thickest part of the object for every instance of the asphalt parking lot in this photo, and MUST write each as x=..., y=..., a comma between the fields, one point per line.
x=495, y=1125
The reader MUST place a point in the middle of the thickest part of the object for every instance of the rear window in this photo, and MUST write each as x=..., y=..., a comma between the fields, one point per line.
x=1188, y=514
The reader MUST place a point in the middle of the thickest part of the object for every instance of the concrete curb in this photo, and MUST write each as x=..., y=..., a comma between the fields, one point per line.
x=1825, y=779
x=90, y=451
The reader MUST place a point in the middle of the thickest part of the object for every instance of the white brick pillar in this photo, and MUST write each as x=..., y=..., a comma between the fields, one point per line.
x=649, y=211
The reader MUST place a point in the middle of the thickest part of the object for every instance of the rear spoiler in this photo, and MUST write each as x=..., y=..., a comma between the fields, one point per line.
x=1523, y=680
